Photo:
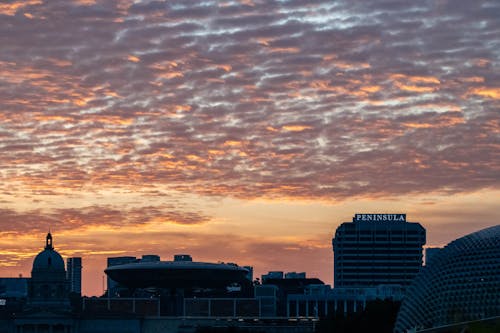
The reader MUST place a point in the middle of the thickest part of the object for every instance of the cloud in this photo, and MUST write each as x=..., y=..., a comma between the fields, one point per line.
x=325, y=100
x=84, y=218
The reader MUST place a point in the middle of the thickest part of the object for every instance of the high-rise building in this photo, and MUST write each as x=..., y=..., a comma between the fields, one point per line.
x=74, y=274
x=377, y=249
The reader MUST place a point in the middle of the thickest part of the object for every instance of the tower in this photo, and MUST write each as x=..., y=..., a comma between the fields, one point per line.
x=377, y=249
x=74, y=274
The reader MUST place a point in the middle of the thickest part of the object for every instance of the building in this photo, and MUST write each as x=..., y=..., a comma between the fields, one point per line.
x=320, y=301
x=377, y=249
x=150, y=258
x=272, y=275
x=284, y=285
x=74, y=274
x=430, y=252
x=115, y=261
x=461, y=283
x=48, y=307
x=48, y=286
x=250, y=272
x=295, y=275
x=178, y=274
x=14, y=288
x=181, y=296
x=13, y=295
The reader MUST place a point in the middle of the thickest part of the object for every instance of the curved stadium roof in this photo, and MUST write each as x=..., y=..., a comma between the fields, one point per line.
x=460, y=283
x=176, y=274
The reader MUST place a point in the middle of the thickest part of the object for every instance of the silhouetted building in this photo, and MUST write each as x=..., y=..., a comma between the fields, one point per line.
x=320, y=301
x=173, y=296
x=295, y=275
x=13, y=295
x=181, y=273
x=272, y=275
x=48, y=308
x=48, y=286
x=74, y=274
x=377, y=249
x=250, y=272
x=182, y=257
x=114, y=261
x=14, y=287
x=431, y=252
x=461, y=283
x=296, y=283
x=150, y=258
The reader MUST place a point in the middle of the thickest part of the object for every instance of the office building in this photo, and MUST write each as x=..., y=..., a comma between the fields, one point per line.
x=377, y=249
x=74, y=274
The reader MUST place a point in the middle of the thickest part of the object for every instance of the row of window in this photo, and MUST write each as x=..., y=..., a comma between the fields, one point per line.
x=380, y=232
x=365, y=252
x=380, y=280
x=347, y=245
x=375, y=271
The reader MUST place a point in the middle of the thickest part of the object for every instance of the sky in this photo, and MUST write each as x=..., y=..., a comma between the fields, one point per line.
x=242, y=131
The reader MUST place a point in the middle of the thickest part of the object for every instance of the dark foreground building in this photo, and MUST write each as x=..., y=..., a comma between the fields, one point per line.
x=377, y=249
x=177, y=296
x=461, y=283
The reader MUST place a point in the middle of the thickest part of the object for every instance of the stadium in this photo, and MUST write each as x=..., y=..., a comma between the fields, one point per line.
x=185, y=276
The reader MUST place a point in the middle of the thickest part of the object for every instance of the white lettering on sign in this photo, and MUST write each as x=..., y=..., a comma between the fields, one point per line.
x=379, y=217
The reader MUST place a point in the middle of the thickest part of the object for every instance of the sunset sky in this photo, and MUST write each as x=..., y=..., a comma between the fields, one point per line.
x=242, y=131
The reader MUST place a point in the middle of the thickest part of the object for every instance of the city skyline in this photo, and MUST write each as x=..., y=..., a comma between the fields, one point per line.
x=242, y=131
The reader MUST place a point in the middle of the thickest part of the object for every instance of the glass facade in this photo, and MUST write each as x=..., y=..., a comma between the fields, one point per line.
x=74, y=274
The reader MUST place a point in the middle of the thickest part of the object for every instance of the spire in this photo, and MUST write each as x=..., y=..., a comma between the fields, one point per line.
x=48, y=242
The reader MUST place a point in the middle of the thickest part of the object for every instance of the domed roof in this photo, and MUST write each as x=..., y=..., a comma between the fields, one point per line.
x=48, y=259
x=460, y=283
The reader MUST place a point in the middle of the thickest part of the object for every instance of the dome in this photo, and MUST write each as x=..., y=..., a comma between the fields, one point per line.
x=460, y=283
x=48, y=259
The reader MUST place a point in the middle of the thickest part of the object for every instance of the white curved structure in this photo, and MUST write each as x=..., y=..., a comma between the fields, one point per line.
x=460, y=283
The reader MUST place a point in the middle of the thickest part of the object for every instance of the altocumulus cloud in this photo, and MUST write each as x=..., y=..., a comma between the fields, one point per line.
x=305, y=99
x=67, y=219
